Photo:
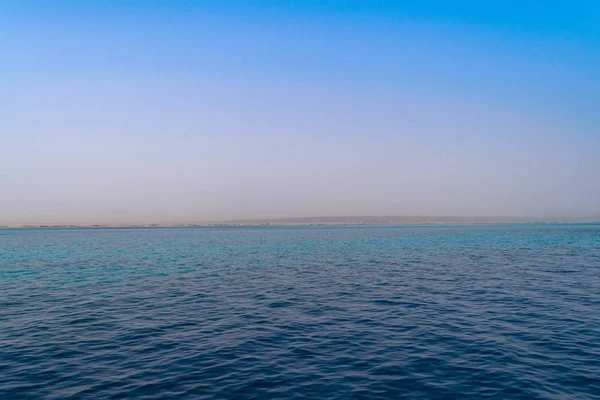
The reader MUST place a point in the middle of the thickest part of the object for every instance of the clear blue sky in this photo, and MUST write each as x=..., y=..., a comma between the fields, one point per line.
x=130, y=111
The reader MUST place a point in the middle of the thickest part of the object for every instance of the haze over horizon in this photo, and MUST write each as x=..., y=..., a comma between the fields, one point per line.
x=151, y=112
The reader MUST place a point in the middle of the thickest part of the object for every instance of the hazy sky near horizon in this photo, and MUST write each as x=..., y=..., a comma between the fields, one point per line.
x=170, y=111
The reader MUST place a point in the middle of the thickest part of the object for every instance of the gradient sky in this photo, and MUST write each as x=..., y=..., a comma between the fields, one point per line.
x=182, y=111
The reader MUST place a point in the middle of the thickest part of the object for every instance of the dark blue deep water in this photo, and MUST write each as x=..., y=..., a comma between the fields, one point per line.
x=503, y=311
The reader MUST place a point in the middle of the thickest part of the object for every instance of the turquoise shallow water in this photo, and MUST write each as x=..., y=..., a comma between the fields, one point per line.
x=499, y=311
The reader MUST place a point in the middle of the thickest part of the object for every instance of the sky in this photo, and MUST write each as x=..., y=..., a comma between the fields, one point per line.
x=188, y=111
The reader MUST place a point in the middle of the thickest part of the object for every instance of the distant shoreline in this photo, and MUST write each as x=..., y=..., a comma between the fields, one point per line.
x=329, y=221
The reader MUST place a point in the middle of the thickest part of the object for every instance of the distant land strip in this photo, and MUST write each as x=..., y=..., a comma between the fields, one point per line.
x=350, y=220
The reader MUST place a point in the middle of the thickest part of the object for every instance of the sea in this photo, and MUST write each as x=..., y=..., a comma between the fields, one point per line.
x=314, y=312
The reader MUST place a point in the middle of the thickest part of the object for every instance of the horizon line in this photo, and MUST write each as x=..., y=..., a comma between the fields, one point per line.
x=325, y=220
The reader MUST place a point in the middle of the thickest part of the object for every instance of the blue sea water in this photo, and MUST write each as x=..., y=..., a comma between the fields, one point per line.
x=482, y=311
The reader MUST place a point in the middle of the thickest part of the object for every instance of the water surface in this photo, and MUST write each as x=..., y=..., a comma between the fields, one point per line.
x=500, y=311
